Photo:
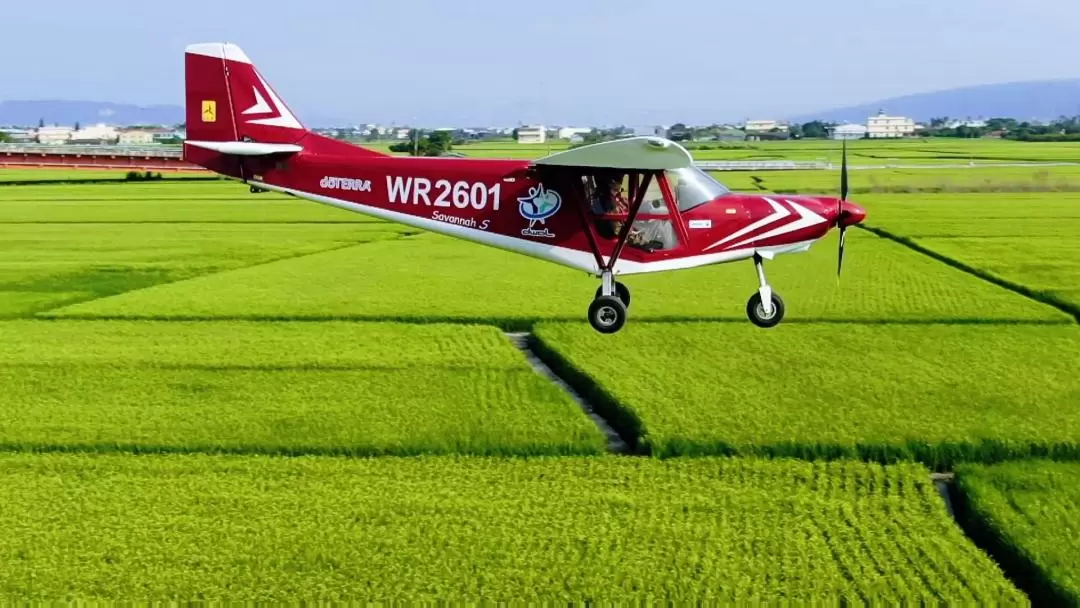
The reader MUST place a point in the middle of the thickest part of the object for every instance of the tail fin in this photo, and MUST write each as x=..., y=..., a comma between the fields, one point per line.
x=228, y=100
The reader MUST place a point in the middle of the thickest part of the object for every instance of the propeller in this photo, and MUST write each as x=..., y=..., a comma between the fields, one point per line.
x=840, y=207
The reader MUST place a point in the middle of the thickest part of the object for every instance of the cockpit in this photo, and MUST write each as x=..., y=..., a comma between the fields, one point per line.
x=610, y=194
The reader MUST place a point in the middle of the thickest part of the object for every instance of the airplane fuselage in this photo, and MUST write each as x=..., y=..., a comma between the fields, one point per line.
x=495, y=202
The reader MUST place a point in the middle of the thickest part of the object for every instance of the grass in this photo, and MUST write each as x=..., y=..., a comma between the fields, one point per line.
x=434, y=278
x=940, y=394
x=984, y=180
x=1023, y=239
x=56, y=264
x=335, y=388
x=453, y=529
x=60, y=174
x=863, y=152
x=1026, y=512
x=906, y=358
x=65, y=244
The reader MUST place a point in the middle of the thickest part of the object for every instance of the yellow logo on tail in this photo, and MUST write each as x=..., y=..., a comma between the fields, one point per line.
x=209, y=111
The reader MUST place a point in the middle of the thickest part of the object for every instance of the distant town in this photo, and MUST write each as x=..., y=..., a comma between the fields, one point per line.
x=879, y=126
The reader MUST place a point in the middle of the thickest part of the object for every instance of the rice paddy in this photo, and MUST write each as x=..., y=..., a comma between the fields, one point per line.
x=215, y=395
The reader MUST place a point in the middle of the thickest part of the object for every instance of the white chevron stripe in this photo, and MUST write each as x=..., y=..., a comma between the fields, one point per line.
x=260, y=107
x=779, y=213
x=285, y=117
x=806, y=219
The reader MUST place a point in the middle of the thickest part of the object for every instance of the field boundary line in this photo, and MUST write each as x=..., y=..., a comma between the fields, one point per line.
x=622, y=421
x=507, y=325
x=295, y=256
x=523, y=342
x=1017, y=566
x=1041, y=297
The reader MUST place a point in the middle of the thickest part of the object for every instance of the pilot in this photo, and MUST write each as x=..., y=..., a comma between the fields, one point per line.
x=612, y=200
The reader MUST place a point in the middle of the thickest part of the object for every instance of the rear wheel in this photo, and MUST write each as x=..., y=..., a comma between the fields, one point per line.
x=620, y=290
x=607, y=314
x=755, y=310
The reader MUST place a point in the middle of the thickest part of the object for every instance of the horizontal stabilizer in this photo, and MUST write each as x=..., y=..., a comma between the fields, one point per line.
x=246, y=148
x=640, y=153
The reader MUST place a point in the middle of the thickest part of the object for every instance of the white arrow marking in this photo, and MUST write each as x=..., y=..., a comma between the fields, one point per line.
x=806, y=219
x=779, y=213
x=260, y=106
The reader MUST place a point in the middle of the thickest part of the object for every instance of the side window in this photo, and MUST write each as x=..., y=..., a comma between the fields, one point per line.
x=610, y=193
x=655, y=233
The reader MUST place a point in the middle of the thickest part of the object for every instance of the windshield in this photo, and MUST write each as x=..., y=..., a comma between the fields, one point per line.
x=692, y=187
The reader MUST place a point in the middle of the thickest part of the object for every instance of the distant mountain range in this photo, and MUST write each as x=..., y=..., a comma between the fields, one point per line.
x=1039, y=100
x=67, y=113
x=1033, y=100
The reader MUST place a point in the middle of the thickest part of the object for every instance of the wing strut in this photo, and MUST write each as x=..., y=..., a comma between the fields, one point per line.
x=637, y=198
x=635, y=205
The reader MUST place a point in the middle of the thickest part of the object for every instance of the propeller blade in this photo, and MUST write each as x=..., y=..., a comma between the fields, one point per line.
x=840, y=207
x=840, y=256
x=844, y=173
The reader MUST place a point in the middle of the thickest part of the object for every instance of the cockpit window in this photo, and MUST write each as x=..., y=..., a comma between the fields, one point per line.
x=693, y=187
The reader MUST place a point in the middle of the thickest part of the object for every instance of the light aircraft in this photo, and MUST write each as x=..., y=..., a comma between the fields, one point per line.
x=620, y=207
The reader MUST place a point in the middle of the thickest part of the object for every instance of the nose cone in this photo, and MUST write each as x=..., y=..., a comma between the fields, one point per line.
x=851, y=214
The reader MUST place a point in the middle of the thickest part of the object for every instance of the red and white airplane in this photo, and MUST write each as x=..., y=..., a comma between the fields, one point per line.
x=620, y=207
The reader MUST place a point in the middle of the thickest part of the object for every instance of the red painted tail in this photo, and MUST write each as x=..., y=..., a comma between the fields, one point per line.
x=228, y=100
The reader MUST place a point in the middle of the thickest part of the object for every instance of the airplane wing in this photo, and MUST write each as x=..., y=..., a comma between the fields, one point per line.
x=641, y=153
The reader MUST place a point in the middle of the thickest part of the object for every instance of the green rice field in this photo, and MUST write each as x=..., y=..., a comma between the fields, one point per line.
x=452, y=529
x=1027, y=512
x=878, y=392
x=307, y=388
x=211, y=395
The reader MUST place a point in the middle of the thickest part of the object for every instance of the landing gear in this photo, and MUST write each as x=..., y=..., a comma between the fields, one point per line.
x=765, y=309
x=621, y=291
x=607, y=313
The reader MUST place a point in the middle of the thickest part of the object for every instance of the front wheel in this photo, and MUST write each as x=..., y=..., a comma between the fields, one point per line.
x=755, y=310
x=607, y=314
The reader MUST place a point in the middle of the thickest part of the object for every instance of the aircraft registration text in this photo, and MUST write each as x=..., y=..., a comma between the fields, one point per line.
x=443, y=193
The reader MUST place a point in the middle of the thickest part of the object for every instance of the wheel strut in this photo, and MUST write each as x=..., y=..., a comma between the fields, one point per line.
x=765, y=308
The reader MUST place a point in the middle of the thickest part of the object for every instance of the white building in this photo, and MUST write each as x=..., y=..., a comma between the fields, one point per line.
x=763, y=126
x=18, y=136
x=849, y=132
x=532, y=134
x=136, y=137
x=54, y=135
x=884, y=125
x=975, y=124
x=570, y=132
x=95, y=134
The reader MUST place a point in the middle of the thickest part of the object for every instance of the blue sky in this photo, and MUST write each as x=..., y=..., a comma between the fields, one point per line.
x=485, y=62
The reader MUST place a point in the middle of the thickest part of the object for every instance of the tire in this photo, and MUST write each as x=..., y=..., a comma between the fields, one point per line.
x=620, y=290
x=756, y=312
x=607, y=314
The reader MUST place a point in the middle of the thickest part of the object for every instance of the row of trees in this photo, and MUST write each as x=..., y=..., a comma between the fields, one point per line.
x=1065, y=128
x=436, y=143
x=811, y=130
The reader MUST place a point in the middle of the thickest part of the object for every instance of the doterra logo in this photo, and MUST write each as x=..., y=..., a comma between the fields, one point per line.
x=345, y=183
x=538, y=207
